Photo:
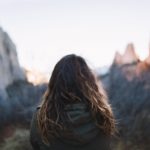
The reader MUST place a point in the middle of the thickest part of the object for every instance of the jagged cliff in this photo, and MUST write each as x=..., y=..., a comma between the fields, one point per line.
x=10, y=69
x=128, y=85
x=128, y=57
x=18, y=97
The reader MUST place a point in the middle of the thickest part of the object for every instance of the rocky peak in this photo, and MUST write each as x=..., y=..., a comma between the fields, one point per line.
x=10, y=69
x=128, y=57
x=117, y=58
x=147, y=60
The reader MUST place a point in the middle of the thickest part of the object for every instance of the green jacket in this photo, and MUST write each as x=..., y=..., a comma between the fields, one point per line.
x=83, y=127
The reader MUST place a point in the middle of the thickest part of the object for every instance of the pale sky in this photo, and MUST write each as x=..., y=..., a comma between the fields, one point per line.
x=46, y=30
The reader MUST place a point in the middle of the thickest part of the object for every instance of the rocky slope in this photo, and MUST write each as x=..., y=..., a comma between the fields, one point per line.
x=128, y=85
x=10, y=70
x=18, y=97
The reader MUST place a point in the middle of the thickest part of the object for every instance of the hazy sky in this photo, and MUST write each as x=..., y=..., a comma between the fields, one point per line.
x=46, y=30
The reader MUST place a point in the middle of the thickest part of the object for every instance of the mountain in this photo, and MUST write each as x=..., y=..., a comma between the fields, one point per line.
x=18, y=96
x=128, y=57
x=10, y=69
x=128, y=85
x=148, y=58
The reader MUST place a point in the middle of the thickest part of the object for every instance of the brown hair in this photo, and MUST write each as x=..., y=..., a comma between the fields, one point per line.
x=72, y=81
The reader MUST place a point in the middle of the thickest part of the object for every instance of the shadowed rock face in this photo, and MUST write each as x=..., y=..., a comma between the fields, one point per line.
x=128, y=87
x=10, y=70
x=18, y=97
x=131, y=102
x=22, y=100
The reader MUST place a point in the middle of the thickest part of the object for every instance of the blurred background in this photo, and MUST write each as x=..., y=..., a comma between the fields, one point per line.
x=113, y=37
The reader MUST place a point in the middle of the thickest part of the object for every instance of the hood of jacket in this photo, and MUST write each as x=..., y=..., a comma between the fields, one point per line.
x=82, y=127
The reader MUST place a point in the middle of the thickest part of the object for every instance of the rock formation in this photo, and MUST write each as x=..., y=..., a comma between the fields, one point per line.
x=10, y=69
x=128, y=89
x=128, y=57
x=18, y=97
x=130, y=100
x=118, y=58
x=147, y=60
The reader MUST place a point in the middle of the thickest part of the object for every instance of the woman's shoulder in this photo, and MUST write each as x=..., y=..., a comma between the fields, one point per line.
x=34, y=120
x=35, y=137
x=34, y=124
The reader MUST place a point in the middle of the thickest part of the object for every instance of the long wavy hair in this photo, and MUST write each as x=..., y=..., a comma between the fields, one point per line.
x=72, y=81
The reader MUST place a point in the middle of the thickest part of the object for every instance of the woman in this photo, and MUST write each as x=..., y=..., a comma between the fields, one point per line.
x=75, y=113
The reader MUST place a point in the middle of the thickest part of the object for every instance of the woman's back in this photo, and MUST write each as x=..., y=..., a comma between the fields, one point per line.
x=85, y=134
x=74, y=113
